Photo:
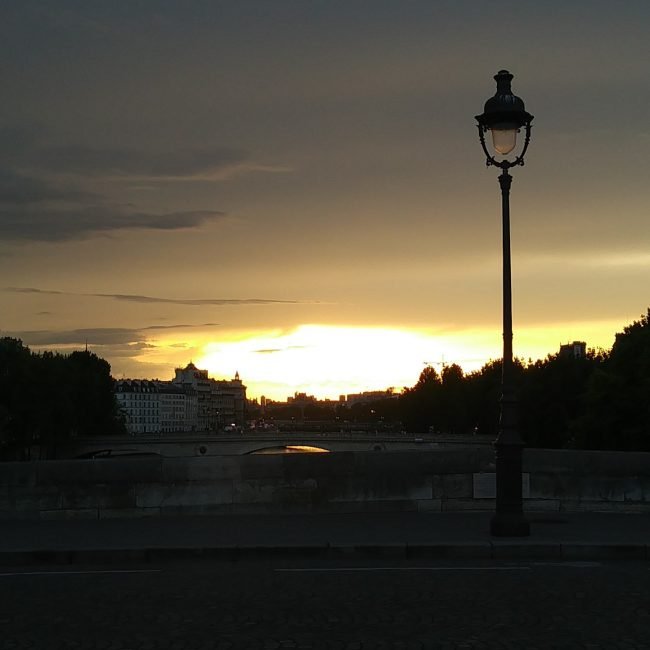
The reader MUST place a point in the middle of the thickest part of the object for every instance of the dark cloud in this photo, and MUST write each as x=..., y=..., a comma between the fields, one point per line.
x=121, y=351
x=43, y=188
x=184, y=163
x=20, y=189
x=197, y=301
x=172, y=327
x=155, y=300
x=60, y=224
x=28, y=149
x=95, y=336
x=119, y=339
x=32, y=290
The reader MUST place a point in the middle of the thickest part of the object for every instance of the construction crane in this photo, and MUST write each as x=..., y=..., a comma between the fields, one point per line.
x=442, y=363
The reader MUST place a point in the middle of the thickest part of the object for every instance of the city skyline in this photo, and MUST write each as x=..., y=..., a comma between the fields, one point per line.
x=295, y=191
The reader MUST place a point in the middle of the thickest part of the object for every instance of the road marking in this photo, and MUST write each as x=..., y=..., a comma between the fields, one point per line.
x=570, y=565
x=409, y=568
x=70, y=573
x=528, y=567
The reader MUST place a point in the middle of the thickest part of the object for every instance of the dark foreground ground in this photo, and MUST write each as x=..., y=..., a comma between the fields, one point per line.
x=554, y=535
x=353, y=581
x=307, y=601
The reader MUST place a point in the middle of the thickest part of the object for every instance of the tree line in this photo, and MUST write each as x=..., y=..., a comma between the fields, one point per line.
x=47, y=399
x=598, y=401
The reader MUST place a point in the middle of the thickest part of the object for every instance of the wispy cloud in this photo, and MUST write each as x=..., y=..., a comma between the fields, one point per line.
x=120, y=341
x=28, y=152
x=61, y=224
x=97, y=336
x=124, y=163
x=176, y=327
x=276, y=350
x=196, y=301
x=157, y=300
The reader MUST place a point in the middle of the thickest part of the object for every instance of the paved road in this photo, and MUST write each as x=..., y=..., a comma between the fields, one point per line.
x=315, y=603
x=600, y=536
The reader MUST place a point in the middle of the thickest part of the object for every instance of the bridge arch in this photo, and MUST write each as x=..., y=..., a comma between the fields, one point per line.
x=289, y=449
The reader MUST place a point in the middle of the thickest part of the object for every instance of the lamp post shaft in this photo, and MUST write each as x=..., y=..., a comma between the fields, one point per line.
x=505, y=180
x=508, y=520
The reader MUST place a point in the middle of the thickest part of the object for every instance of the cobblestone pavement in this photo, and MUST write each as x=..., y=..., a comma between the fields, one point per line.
x=310, y=604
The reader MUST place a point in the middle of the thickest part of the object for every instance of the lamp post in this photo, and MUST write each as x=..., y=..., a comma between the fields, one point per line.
x=504, y=116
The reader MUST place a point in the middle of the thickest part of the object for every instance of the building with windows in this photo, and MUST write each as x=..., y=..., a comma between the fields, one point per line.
x=219, y=402
x=139, y=402
x=191, y=402
x=576, y=350
x=178, y=408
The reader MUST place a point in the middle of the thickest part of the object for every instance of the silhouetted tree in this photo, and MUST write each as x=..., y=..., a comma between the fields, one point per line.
x=454, y=414
x=616, y=406
x=420, y=405
x=92, y=392
x=600, y=401
x=15, y=402
x=551, y=397
x=484, y=393
x=46, y=399
x=383, y=413
x=53, y=408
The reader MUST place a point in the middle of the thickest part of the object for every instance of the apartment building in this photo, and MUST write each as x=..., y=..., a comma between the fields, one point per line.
x=191, y=402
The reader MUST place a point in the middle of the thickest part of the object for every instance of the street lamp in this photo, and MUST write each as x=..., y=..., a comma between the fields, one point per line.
x=504, y=116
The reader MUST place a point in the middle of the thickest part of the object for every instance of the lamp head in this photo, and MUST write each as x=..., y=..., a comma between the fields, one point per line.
x=503, y=115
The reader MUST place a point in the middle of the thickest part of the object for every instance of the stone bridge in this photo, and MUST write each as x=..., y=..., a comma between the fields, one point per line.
x=175, y=446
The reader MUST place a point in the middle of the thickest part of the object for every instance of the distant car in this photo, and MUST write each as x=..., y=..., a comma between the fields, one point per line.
x=117, y=453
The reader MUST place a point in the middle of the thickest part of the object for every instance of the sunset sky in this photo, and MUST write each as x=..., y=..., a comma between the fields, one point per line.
x=295, y=190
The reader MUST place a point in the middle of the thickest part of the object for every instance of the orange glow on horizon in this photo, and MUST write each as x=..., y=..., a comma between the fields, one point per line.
x=328, y=361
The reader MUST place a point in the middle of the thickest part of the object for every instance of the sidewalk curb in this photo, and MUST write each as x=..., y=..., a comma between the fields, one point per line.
x=477, y=550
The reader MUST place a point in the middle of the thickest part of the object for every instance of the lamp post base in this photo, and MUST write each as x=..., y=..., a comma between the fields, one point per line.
x=509, y=525
x=508, y=519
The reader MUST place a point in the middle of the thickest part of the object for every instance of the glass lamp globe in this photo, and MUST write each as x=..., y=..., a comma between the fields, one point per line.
x=504, y=140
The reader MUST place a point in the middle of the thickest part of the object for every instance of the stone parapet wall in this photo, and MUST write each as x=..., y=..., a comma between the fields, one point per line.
x=443, y=480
